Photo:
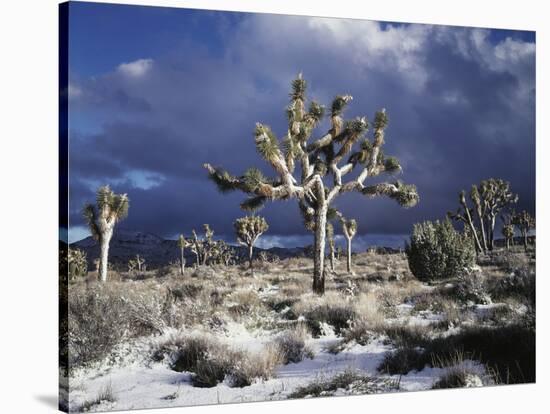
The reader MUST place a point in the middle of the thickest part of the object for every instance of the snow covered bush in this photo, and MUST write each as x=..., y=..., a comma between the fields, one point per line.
x=437, y=251
x=471, y=287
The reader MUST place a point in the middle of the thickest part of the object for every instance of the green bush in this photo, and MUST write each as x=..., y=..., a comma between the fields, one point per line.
x=438, y=251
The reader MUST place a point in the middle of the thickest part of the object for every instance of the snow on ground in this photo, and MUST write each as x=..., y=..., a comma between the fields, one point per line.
x=138, y=383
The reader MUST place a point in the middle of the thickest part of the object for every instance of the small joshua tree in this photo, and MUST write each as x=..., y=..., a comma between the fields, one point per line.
x=320, y=159
x=331, y=244
x=496, y=195
x=182, y=244
x=248, y=230
x=349, y=228
x=202, y=247
x=465, y=214
x=508, y=233
x=139, y=261
x=101, y=218
x=488, y=199
x=525, y=223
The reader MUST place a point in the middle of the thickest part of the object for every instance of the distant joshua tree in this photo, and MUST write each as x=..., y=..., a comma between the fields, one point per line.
x=248, y=230
x=488, y=199
x=323, y=157
x=182, y=244
x=349, y=228
x=202, y=247
x=331, y=244
x=101, y=218
x=137, y=263
x=525, y=223
x=508, y=233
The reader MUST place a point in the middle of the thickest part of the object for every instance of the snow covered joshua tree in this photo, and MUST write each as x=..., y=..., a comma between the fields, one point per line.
x=321, y=159
x=110, y=208
x=248, y=230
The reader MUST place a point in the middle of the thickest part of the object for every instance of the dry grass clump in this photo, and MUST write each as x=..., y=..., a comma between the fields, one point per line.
x=243, y=302
x=292, y=344
x=105, y=395
x=212, y=362
x=351, y=381
x=333, y=309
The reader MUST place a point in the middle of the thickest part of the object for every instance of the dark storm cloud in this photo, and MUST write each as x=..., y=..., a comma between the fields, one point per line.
x=461, y=110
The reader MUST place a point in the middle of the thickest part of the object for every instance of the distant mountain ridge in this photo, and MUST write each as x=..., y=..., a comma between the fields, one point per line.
x=157, y=251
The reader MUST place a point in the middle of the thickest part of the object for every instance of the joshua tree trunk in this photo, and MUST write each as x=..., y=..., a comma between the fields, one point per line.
x=507, y=244
x=182, y=263
x=525, y=241
x=349, y=255
x=491, y=230
x=331, y=248
x=482, y=228
x=250, y=261
x=319, y=251
x=104, y=257
x=473, y=229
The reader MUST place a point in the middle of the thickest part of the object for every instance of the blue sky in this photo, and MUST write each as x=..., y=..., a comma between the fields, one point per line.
x=155, y=92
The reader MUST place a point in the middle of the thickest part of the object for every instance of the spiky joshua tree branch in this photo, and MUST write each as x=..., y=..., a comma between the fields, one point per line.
x=332, y=155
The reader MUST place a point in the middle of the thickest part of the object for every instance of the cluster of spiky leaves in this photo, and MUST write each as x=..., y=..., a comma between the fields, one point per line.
x=406, y=195
x=350, y=227
x=339, y=103
x=249, y=228
x=508, y=231
x=266, y=142
x=110, y=208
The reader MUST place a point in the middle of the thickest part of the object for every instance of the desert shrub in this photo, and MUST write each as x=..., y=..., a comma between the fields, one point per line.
x=255, y=366
x=186, y=290
x=458, y=378
x=508, y=351
x=368, y=320
x=97, y=322
x=104, y=395
x=437, y=251
x=190, y=352
x=408, y=335
x=101, y=316
x=282, y=305
x=292, y=345
x=77, y=264
x=243, y=302
x=212, y=362
x=458, y=373
x=349, y=380
x=212, y=369
x=402, y=360
x=519, y=285
x=332, y=309
x=471, y=287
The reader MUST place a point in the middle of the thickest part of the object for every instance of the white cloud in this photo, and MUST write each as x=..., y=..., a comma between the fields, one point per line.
x=74, y=91
x=374, y=46
x=136, y=69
